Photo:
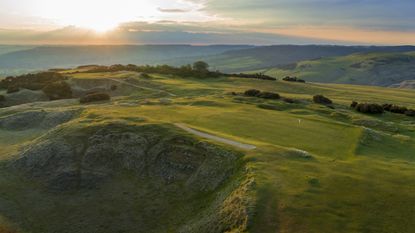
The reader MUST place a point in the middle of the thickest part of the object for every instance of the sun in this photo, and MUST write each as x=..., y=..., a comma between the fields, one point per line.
x=100, y=16
x=99, y=26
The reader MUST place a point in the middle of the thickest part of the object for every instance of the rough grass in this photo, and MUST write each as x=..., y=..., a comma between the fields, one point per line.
x=359, y=177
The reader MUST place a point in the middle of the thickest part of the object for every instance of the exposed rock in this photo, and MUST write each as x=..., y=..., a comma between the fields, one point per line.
x=80, y=159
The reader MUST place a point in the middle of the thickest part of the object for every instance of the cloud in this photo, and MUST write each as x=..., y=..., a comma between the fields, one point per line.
x=230, y=21
x=173, y=10
x=151, y=33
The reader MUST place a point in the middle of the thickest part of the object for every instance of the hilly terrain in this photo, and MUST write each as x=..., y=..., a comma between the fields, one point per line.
x=226, y=58
x=379, y=69
x=285, y=55
x=18, y=60
x=126, y=151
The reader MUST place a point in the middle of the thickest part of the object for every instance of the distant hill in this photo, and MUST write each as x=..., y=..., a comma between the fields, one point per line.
x=13, y=48
x=227, y=58
x=283, y=55
x=45, y=57
x=380, y=69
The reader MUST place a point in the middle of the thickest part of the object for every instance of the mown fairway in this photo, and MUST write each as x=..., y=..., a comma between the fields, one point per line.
x=317, y=169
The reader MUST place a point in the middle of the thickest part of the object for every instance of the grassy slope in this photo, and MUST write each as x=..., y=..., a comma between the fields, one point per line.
x=381, y=69
x=359, y=180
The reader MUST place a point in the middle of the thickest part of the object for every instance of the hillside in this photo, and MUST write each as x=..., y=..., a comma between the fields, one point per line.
x=286, y=55
x=46, y=57
x=226, y=58
x=128, y=165
x=379, y=69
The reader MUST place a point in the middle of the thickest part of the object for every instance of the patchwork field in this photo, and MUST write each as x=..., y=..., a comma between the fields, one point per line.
x=315, y=168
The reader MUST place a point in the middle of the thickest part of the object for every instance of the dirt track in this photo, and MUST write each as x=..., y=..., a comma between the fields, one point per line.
x=216, y=138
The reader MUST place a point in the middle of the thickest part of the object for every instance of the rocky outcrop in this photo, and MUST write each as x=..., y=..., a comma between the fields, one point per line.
x=82, y=158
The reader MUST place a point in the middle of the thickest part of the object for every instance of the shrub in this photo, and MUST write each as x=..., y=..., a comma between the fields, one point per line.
x=395, y=108
x=94, y=97
x=369, y=108
x=252, y=93
x=354, y=104
x=398, y=109
x=288, y=100
x=293, y=79
x=387, y=107
x=269, y=95
x=410, y=112
x=2, y=98
x=200, y=66
x=314, y=182
x=260, y=76
x=144, y=76
x=12, y=89
x=114, y=87
x=319, y=99
x=31, y=81
x=58, y=90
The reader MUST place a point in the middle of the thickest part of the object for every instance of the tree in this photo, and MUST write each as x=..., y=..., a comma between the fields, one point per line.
x=200, y=66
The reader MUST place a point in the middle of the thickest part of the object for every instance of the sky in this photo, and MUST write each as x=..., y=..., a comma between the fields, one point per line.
x=366, y=22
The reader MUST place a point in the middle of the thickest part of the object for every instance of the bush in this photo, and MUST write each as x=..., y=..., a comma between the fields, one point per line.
x=2, y=98
x=32, y=81
x=410, y=112
x=114, y=87
x=200, y=66
x=293, y=79
x=354, y=104
x=144, y=76
x=269, y=95
x=395, y=108
x=252, y=93
x=260, y=76
x=369, y=108
x=58, y=90
x=319, y=99
x=288, y=100
x=387, y=107
x=398, y=109
x=94, y=97
x=12, y=89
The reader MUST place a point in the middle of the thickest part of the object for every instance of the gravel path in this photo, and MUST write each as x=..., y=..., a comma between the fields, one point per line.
x=216, y=138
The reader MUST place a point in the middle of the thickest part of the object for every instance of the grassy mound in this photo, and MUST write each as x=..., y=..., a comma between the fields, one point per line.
x=162, y=180
x=35, y=119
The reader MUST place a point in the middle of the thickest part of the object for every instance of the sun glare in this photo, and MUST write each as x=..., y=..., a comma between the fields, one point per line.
x=98, y=15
